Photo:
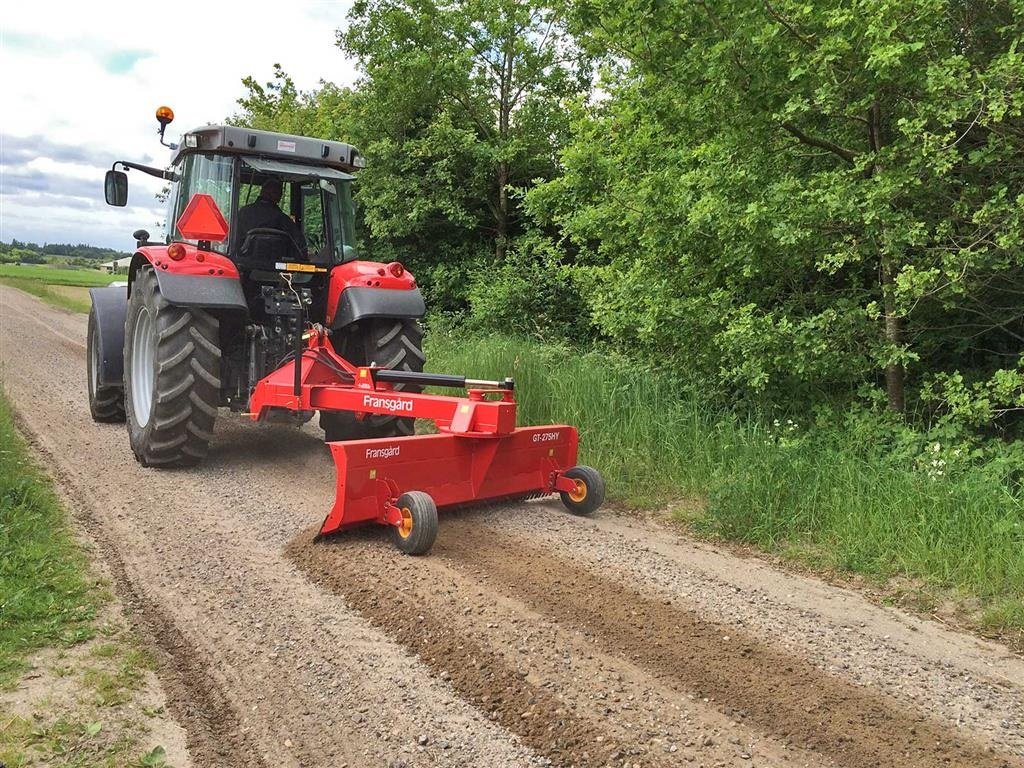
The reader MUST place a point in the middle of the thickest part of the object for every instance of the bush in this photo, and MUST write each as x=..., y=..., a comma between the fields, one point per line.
x=532, y=293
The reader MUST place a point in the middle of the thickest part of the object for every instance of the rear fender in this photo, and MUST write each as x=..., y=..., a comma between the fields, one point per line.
x=110, y=308
x=202, y=278
x=359, y=290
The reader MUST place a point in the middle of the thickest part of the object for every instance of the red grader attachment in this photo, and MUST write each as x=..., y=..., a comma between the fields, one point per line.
x=477, y=455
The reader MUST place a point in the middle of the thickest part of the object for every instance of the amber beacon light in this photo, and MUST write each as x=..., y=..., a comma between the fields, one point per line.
x=164, y=116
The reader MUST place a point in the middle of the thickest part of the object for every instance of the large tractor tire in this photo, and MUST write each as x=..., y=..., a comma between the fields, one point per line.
x=106, y=403
x=171, y=377
x=386, y=343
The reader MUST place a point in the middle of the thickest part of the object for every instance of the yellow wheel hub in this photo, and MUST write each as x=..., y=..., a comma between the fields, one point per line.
x=405, y=526
x=579, y=493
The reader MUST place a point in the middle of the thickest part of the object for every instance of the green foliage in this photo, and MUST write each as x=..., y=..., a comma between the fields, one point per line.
x=531, y=291
x=45, y=596
x=279, y=106
x=788, y=208
x=793, y=201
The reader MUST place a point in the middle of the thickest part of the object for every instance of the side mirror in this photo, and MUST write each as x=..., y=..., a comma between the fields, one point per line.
x=115, y=188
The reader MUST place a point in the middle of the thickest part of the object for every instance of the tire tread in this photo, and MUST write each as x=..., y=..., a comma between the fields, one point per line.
x=187, y=389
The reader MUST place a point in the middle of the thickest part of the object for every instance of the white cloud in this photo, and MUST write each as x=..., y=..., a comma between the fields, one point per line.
x=82, y=81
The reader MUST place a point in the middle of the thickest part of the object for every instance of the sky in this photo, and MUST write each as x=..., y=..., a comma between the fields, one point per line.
x=82, y=82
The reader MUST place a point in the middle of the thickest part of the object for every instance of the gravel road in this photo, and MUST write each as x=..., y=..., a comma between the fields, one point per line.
x=527, y=638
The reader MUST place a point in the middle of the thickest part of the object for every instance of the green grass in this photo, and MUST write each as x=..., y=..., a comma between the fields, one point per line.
x=804, y=495
x=46, y=595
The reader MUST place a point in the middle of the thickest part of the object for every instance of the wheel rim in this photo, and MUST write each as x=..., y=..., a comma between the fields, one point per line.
x=579, y=493
x=143, y=363
x=94, y=364
x=405, y=525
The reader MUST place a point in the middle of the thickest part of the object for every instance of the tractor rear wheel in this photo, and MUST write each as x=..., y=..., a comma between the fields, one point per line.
x=171, y=377
x=387, y=343
x=106, y=403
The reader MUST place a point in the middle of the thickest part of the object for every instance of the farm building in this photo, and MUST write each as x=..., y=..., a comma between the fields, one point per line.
x=117, y=266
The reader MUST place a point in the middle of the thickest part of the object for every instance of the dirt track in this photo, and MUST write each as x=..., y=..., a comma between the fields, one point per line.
x=528, y=637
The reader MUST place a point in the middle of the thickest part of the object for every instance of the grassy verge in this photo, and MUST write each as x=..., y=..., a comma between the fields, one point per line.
x=46, y=596
x=70, y=671
x=804, y=495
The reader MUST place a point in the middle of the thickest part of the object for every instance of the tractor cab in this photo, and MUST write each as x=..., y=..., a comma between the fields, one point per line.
x=274, y=250
x=316, y=199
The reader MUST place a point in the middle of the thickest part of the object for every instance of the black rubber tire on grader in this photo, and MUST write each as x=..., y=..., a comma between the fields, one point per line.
x=416, y=534
x=589, y=492
x=171, y=377
x=387, y=343
x=106, y=403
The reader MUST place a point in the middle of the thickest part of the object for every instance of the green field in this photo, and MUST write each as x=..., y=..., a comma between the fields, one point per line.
x=61, y=287
x=58, y=276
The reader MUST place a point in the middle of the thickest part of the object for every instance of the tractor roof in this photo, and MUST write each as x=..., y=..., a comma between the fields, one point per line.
x=248, y=141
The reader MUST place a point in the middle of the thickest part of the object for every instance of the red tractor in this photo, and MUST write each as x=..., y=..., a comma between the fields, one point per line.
x=271, y=314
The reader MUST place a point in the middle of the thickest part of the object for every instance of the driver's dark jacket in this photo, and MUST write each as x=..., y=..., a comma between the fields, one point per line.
x=265, y=213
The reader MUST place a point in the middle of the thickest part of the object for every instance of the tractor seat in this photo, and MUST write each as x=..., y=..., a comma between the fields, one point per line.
x=264, y=247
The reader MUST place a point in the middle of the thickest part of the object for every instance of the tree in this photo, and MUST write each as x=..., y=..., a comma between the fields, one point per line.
x=797, y=199
x=468, y=98
x=279, y=106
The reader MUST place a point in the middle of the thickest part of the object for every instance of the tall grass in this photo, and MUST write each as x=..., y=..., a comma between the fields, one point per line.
x=805, y=494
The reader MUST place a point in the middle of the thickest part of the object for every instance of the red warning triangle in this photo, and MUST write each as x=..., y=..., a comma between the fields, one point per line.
x=202, y=220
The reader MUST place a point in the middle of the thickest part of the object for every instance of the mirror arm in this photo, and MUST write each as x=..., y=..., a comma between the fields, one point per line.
x=158, y=172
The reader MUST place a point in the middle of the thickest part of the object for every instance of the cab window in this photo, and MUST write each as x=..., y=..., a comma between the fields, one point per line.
x=207, y=174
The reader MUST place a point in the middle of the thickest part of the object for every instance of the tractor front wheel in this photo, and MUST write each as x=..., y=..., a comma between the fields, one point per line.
x=106, y=403
x=171, y=377
x=416, y=531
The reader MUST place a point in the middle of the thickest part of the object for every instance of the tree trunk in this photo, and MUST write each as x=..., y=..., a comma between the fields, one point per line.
x=501, y=242
x=894, y=372
x=504, y=169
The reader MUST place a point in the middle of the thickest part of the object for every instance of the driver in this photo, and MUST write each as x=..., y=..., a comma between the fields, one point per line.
x=265, y=212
